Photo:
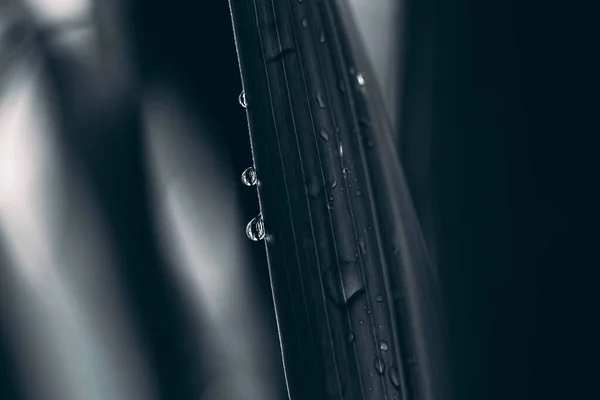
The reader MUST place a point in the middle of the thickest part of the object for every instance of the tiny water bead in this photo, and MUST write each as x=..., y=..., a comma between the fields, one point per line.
x=321, y=101
x=362, y=245
x=304, y=22
x=379, y=366
x=350, y=337
x=255, y=230
x=394, y=376
x=324, y=134
x=383, y=345
x=322, y=37
x=249, y=177
x=333, y=184
x=360, y=79
x=242, y=99
x=379, y=298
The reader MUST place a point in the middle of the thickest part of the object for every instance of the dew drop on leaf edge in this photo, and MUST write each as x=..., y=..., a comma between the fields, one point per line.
x=242, y=99
x=249, y=177
x=255, y=230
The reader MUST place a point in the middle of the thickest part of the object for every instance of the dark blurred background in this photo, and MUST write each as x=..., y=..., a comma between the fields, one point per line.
x=126, y=273
x=124, y=270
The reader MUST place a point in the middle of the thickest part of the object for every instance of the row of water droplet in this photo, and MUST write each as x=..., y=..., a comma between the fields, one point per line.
x=378, y=364
x=255, y=229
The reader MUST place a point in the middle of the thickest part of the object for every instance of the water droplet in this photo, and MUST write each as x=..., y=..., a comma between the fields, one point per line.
x=362, y=245
x=324, y=134
x=329, y=206
x=352, y=71
x=379, y=366
x=341, y=151
x=352, y=281
x=242, y=99
x=304, y=22
x=313, y=189
x=358, y=193
x=370, y=389
x=322, y=37
x=330, y=198
x=360, y=79
x=394, y=376
x=255, y=229
x=383, y=346
x=361, y=322
x=321, y=101
x=300, y=1
x=333, y=184
x=345, y=291
x=249, y=176
x=345, y=171
x=379, y=298
x=337, y=129
x=350, y=337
